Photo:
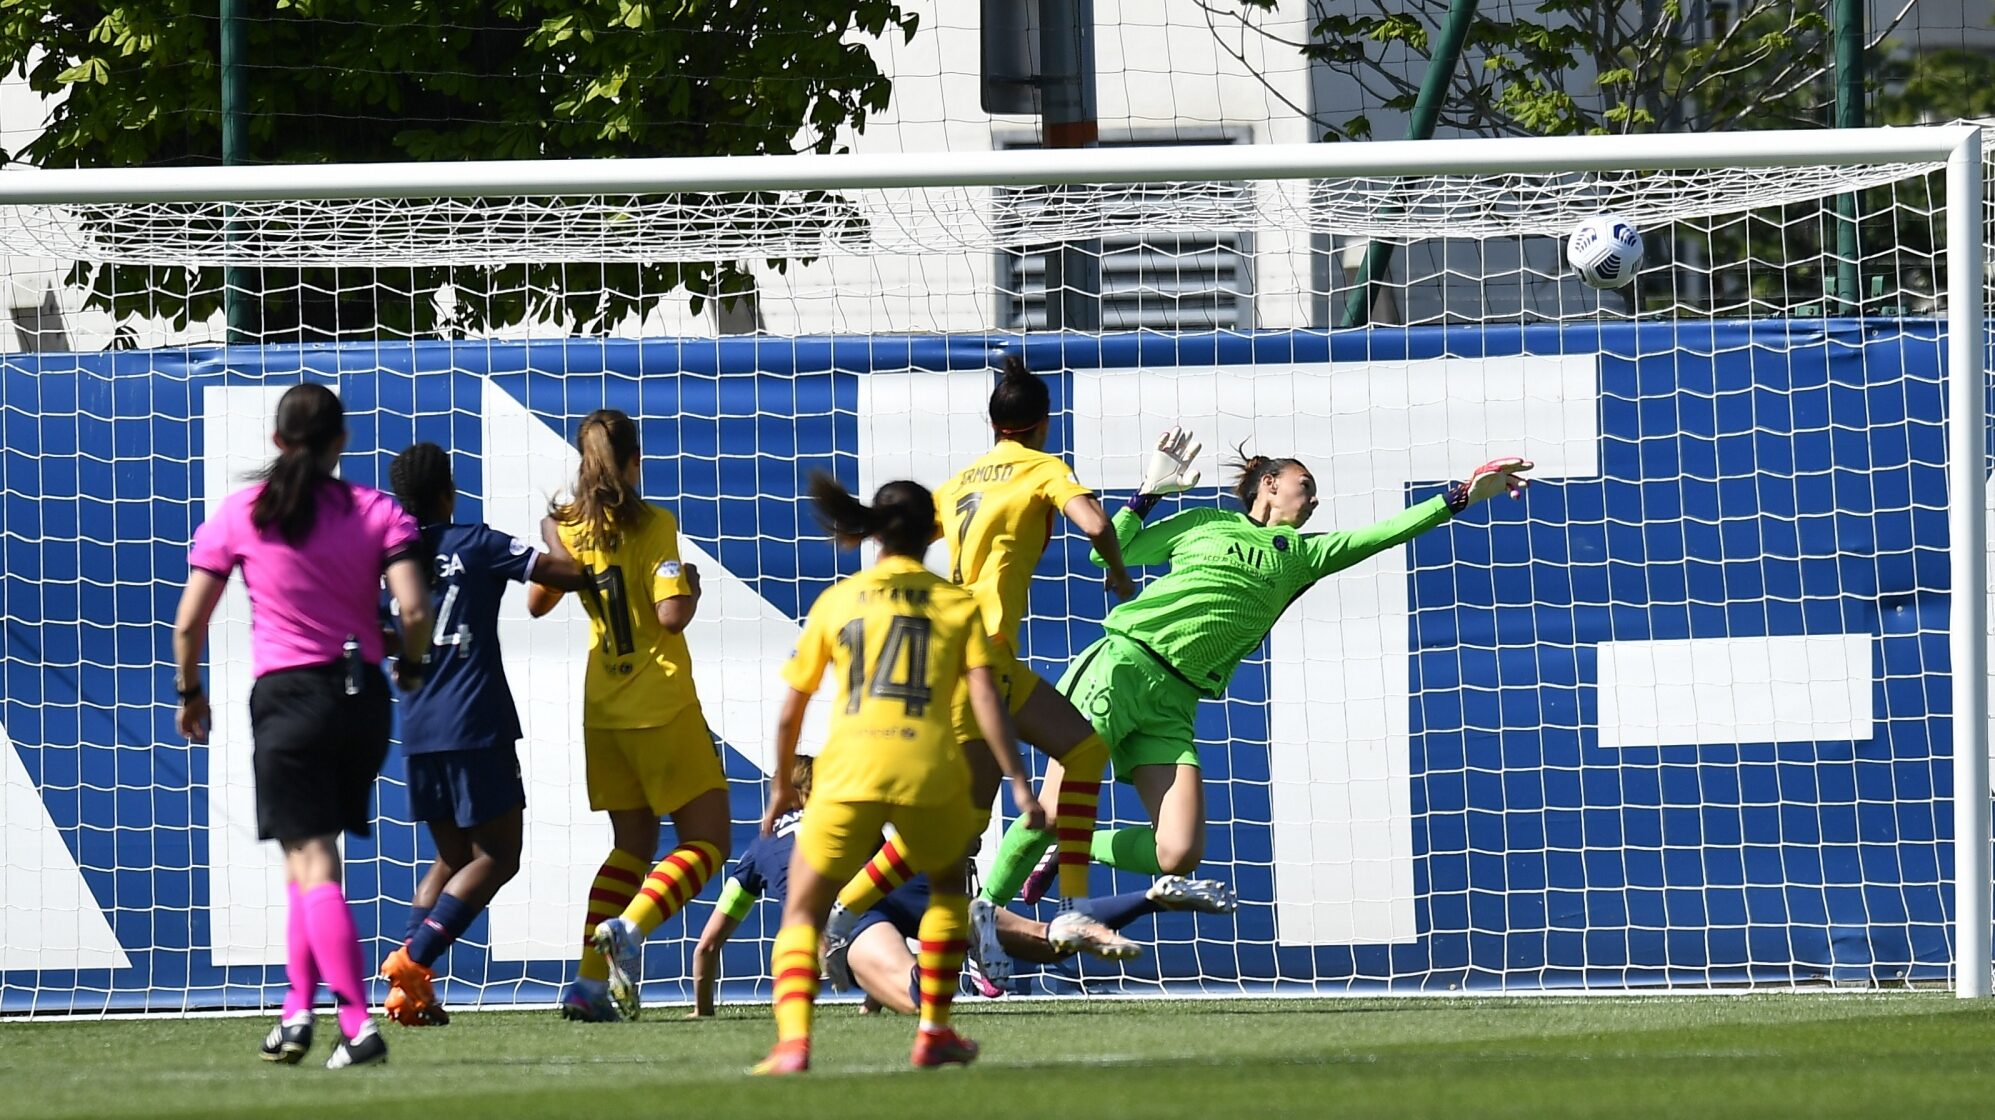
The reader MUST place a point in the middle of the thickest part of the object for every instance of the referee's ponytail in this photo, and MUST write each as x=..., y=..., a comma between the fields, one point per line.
x=901, y=518
x=311, y=432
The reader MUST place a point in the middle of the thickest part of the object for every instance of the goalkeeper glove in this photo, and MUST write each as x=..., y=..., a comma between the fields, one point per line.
x=1497, y=475
x=1169, y=471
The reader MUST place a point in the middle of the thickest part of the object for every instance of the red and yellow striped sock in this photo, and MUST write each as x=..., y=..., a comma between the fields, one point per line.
x=879, y=878
x=945, y=937
x=616, y=881
x=673, y=883
x=794, y=961
x=1074, y=816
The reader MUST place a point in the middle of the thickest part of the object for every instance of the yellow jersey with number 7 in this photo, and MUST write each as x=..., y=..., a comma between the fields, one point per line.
x=997, y=515
x=898, y=639
x=640, y=674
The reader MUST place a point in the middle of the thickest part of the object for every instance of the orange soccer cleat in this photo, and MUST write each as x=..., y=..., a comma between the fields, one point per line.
x=400, y=1008
x=412, y=981
x=787, y=1058
x=942, y=1048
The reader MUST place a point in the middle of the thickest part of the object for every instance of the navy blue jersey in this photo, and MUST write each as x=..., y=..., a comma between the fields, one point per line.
x=466, y=703
x=764, y=869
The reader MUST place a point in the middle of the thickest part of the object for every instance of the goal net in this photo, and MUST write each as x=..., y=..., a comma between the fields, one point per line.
x=1685, y=716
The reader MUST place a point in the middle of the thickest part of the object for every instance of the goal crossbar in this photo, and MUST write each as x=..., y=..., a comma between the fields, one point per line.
x=1931, y=145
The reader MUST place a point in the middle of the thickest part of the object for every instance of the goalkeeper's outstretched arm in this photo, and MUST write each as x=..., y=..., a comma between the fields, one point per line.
x=1333, y=552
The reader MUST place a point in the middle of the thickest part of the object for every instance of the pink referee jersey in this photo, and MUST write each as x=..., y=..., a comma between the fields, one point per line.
x=305, y=600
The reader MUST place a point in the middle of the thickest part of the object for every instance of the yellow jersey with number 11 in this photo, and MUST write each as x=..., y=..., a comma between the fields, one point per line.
x=640, y=674
x=997, y=515
x=898, y=639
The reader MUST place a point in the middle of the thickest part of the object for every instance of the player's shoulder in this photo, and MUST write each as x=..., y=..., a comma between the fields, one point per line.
x=659, y=521
x=367, y=500
x=1211, y=517
x=491, y=545
x=836, y=601
x=947, y=599
x=1043, y=460
x=237, y=503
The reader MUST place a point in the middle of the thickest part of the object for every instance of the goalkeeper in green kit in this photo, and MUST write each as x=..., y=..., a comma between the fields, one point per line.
x=1231, y=576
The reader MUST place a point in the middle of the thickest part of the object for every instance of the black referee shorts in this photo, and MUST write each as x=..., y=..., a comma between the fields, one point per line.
x=317, y=750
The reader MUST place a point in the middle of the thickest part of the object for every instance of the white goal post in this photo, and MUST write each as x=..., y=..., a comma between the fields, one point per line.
x=1364, y=869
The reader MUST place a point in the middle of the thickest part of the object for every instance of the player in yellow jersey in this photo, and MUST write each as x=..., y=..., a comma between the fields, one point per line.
x=647, y=747
x=997, y=516
x=901, y=641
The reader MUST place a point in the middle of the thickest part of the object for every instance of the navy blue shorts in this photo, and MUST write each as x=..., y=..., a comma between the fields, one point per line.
x=902, y=909
x=466, y=788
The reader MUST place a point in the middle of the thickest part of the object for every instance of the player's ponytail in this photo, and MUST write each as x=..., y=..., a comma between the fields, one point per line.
x=421, y=479
x=1021, y=401
x=901, y=518
x=1249, y=470
x=603, y=501
x=311, y=423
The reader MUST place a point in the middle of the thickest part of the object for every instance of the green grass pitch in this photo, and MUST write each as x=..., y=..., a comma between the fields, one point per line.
x=1899, y=1056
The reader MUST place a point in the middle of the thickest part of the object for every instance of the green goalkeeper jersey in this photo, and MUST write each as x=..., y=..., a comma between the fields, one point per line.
x=1230, y=579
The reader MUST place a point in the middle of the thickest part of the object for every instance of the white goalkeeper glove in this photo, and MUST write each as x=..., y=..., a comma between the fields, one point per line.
x=1170, y=470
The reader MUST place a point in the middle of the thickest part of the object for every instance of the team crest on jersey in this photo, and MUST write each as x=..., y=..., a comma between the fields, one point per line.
x=669, y=569
x=1281, y=544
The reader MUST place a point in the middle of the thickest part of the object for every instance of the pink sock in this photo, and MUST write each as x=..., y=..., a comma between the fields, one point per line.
x=336, y=947
x=299, y=966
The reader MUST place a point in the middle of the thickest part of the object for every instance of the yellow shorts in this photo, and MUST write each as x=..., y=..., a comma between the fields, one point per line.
x=655, y=768
x=838, y=837
x=1015, y=683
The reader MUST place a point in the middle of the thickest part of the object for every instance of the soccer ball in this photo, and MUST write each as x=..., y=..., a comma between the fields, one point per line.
x=1605, y=250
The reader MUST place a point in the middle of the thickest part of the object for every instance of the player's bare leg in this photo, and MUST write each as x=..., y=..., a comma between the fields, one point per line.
x=882, y=967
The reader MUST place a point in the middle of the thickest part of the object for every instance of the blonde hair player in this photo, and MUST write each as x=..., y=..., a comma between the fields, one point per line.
x=900, y=641
x=648, y=751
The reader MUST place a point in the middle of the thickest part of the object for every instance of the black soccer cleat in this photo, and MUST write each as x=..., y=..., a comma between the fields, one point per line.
x=365, y=1048
x=289, y=1040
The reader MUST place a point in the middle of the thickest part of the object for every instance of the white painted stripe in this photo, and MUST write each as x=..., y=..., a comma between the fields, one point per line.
x=1787, y=689
x=48, y=916
x=245, y=875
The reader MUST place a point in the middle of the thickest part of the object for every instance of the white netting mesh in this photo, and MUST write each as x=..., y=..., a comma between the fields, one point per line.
x=1674, y=720
x=889, y=222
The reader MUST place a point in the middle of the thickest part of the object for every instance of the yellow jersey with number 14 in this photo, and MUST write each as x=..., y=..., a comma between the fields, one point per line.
x=997, y=515
x=640, y=674
x=898, y=639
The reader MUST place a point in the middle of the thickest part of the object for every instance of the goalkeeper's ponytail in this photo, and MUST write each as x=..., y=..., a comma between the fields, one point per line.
x=901, y=518
x=1021, y=401
x=1251, y=469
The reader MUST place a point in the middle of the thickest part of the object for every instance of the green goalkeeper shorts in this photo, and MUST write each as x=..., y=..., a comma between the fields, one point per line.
x=1144, y=711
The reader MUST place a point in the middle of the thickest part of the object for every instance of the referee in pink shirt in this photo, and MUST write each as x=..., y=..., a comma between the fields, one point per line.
x=312, y=550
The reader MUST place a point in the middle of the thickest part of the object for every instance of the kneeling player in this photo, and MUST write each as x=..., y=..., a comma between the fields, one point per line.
x=879, y=958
